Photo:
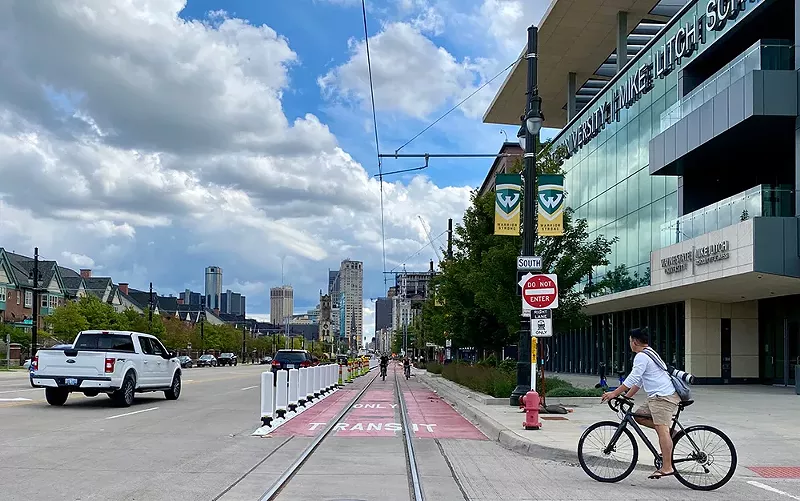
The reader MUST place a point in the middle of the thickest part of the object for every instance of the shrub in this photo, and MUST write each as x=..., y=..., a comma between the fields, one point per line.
x=509, y=366
x=487, y=380
x=433, y=368
x=574, y=392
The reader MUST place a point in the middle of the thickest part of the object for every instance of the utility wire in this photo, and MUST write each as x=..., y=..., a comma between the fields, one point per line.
x=375, y=127
x=458, y=105
x=425, y=246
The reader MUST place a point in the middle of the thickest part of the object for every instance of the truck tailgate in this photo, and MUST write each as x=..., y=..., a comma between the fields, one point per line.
x=84, y=363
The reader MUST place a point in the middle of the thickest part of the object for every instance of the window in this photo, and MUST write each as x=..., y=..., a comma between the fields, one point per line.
x=28, y=299
x=18, y=296
x=105, y=342
x=2, y=294
x=44, y=300
x=147, y=348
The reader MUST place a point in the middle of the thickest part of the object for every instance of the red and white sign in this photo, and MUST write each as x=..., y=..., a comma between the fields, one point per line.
x=539, y=292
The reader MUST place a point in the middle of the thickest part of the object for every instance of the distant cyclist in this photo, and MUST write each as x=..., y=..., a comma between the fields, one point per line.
x=407, y=366
x=384, y=364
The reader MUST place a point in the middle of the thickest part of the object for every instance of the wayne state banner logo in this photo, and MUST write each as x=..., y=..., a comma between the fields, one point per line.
x=551, y=205
x=506, y=204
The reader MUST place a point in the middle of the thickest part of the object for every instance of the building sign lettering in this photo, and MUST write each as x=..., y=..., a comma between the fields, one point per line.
x=699, y=255
x=666, y=58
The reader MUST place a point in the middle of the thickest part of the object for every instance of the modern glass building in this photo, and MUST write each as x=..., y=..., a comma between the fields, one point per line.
x=686, y=151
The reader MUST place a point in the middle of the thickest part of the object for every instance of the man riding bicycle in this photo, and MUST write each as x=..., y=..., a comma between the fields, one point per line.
x=384, y=364
x=662, y=399
x=406, y=366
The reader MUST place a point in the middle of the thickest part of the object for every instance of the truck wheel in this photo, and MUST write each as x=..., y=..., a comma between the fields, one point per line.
x=56, y=396
x=175, y=390
x=124, y=396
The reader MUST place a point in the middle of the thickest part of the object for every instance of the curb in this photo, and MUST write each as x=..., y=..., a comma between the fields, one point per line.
x=496, y=431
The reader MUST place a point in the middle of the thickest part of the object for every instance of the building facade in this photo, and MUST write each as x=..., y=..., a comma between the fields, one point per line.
x=351, y=288
x=281, y=304
x=383, y=313
x=232, y=303
x=667, y=157
x=213, y=287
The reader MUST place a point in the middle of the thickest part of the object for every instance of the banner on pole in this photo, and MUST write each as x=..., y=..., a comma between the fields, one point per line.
x=551, y=205
x=507, y=198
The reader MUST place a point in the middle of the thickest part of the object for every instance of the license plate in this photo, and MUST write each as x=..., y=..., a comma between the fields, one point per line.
x=290, y=366
x=71, y=381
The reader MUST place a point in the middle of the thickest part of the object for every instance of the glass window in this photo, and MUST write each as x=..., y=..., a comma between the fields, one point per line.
x=28, y=299
x=147, y=348
x=622, y=198
x=632, y=239
x=622, y=153
x=657, y=110
x=105, y=342
x=645, y=196
x=658, y=215
x=645, y=233
x=672, y=205
x=671, y=183
x=2, y=294
x=44, y=300
x=633, y=145
x=592, y=174
x=611, y=162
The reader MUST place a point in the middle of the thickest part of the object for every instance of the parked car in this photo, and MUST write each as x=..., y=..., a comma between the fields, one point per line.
x=227, y=359
x=290, y=359
x=266, y=360
x=117, y=363
x=207, y=361
x=186, y=361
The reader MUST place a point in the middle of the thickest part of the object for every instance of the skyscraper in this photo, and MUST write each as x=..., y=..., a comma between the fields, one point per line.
x=351, y=286
x=213, y=286
x=281, y=304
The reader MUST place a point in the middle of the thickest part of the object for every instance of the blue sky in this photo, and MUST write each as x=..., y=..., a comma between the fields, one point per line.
x=168, y=136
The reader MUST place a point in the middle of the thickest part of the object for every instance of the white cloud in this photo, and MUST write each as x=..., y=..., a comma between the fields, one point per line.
x=411, y=74
x=369, y=324
x=79, y=260
x=122, y=124
x=508, y=21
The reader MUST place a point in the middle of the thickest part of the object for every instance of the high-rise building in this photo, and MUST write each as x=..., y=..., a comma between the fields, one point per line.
x=232, y=303
x=192, y=298
x=333, y=287
x=281, y=304
x=383, y=313
x=351, y=286
x=213, y=287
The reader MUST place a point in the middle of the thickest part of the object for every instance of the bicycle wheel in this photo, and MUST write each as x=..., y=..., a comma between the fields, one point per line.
x=600, y=465
x=704, y=458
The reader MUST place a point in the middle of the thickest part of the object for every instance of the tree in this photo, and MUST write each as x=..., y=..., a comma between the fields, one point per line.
x=478, y=285
x=67, y=321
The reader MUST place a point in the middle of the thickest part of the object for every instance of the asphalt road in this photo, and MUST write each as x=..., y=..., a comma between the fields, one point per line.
x=200, y=448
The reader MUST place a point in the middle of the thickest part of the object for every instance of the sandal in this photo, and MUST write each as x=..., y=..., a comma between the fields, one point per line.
x=660, y=474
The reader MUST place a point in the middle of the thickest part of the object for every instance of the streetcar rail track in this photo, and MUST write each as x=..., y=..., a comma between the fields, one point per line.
x=415, y=484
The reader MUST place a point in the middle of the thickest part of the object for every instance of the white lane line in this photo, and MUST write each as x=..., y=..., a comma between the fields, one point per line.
x=249, y=387
x=132, y=413
x=18, y=399
x=17, y=391
x=772, y=489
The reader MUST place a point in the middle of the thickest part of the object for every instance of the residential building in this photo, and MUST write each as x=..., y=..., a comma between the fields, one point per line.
x=502, y=165
x=666, y=112
x=351, y=287
x=281, y=304
x=232, y=303
x=16, y=288
x=213, y=287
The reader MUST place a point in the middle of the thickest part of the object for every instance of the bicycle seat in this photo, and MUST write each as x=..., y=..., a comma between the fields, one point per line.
x=686, y=403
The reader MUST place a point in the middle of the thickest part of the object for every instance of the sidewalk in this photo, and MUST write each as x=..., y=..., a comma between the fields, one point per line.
x=760, y=420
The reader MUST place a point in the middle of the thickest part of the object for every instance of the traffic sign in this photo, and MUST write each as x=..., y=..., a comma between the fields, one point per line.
x=541, y=323
x=539, y=292
x=531, y=263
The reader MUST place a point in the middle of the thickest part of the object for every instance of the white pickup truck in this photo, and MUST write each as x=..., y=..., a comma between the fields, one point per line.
x=118, y=363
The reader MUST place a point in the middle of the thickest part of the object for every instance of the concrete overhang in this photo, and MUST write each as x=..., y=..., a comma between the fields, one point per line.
x=575, y=36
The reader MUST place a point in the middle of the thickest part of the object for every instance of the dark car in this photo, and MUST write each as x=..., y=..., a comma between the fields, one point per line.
x=207, y=361
x=186, y=361
x=266, y=360
x=290, y=359
x=227, y=359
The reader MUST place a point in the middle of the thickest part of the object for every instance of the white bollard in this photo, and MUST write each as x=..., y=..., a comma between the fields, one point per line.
x=345, y=374
x=294, y=375
x=315, y=389
x=301, y=387
x=267, y=403
x=328, y=380
x=281, y=394
x=310, y=384
x=323, y=378
x=334, y=379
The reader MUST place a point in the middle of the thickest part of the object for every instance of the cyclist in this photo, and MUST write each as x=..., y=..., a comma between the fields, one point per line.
x=406, y=366
x=384, y=363
x=662, y=399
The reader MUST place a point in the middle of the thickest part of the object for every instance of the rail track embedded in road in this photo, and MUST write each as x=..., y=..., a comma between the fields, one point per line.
x=415, y=485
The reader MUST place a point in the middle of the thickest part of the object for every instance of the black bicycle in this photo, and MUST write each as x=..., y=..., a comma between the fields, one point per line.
x=383, y=372
x=407, y=371
x=699, y=451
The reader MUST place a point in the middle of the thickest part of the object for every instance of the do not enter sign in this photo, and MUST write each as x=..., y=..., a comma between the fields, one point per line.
x=539, y=292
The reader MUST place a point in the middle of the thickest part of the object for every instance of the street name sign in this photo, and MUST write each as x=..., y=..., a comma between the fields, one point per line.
x=539, y=292
x=529, y=263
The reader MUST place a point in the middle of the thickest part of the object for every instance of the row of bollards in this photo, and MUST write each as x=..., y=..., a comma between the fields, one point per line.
x=288, y=391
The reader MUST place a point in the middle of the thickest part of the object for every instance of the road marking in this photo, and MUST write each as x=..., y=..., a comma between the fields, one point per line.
x=249, y=387
x=772, y=489
x=17, y=391
x=18, y=399
x=132, y=413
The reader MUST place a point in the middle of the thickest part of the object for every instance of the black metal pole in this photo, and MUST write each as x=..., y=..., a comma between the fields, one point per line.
x=150, y=308
x=244, y=342
x=528, y=220
x=35, y=305
x=202, y=336
x=450, y=238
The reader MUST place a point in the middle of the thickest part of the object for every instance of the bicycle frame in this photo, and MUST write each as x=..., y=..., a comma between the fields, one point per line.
x=629, y=419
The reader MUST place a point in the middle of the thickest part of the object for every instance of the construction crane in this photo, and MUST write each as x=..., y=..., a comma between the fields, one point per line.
x=428, y=233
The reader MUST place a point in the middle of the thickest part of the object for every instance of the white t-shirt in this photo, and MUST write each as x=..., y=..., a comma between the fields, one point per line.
x=649, y=376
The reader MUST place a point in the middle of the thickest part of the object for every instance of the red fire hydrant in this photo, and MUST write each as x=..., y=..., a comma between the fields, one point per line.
x=531, y=402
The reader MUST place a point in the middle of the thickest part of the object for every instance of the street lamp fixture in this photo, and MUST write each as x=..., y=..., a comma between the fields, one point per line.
x=535, y=118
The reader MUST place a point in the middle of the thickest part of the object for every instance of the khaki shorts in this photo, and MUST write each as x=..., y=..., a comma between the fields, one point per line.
x=660, y=409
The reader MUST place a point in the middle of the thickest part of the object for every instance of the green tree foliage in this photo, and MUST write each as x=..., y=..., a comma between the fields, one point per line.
x=476, y=302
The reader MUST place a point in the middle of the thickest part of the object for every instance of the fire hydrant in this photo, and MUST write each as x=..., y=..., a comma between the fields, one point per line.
x=531, y=402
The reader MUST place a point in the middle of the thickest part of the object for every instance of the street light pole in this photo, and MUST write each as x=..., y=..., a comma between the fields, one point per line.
x=529, y=132
x=35, y=305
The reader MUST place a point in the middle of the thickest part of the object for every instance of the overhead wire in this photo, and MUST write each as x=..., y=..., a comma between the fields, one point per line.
x=375, y=127
x=458, y=105
x=424, y=246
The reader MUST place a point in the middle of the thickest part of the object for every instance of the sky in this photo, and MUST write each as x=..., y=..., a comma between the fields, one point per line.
x=148, y=139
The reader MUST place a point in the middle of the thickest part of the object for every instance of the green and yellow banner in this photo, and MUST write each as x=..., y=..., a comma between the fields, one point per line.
x=551, y=205
x=508, y=194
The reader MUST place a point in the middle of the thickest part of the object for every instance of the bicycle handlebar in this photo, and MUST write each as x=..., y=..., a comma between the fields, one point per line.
x=618, y=402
